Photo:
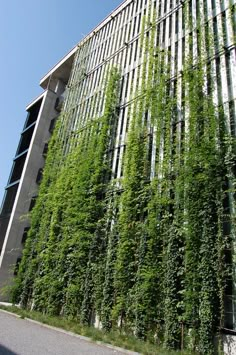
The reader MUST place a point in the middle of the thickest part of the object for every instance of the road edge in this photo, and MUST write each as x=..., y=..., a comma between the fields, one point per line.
x=67, y=332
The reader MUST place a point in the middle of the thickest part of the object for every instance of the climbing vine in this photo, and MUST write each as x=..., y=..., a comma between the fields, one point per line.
x=146, y=252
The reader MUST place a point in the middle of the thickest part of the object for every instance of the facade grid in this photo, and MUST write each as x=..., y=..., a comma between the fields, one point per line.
x=183, y=30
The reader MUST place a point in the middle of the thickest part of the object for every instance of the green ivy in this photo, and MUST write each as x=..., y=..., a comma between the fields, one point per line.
x=145, y=253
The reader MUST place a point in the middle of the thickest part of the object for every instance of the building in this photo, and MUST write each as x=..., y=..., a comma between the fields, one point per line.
x=22, y=187
x=130, y=38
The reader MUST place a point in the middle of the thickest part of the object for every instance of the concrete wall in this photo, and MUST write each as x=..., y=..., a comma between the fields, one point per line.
x=229, y=344
x=12, y=246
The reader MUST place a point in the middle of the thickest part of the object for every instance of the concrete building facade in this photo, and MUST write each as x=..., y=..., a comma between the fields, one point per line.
x=116, y=41
x=26, y=174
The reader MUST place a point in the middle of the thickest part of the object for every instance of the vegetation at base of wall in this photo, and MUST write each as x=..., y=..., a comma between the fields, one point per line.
x=115, y=337
x=145, y=254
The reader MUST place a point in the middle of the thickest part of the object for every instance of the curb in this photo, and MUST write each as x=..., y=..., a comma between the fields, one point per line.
x=81, y=337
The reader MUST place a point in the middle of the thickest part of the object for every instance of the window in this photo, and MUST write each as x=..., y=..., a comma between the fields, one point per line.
x=170, y=25
x=228, y=75
x=232, y=117
x=139, y=23
x=176, y=22
x=24, y=235
x=134, y=26
x=130, y=53
x=52, y=125
x=224, y=29
x=163, y=31
x=215, y=33
x=136, y=50
x=122, y=122
x=32, y=203
x=213, y=5
x=16, y=269
x=165, y=6
x=39, y=176
x=218, y=80
x=127, y=85
x=45, y=150
x=117, y=162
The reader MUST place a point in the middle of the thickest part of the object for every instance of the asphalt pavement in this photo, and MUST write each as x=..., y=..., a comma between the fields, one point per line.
x=22, y=337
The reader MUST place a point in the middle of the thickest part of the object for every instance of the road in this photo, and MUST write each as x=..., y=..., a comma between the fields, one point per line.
x=21, y=337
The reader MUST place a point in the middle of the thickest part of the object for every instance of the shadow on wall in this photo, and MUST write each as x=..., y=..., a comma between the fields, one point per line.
x=6, y=351
x=229, y=344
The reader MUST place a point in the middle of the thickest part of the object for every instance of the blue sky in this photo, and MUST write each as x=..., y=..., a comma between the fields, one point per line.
x=34, y=35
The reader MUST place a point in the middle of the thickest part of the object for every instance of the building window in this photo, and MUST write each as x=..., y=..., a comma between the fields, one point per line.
x=32, y=203
x=117, y=162
x=16, y=269
x=39, y=176
x=24, y=235
x=127, y=85
x=45, y=150
x=176, y=22
x=52, y=125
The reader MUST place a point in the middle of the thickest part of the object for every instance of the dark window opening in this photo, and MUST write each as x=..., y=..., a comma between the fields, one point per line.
x=25, y=140
x=39, y=176
x=45, y=150
x=16, y=269
x=232, y=116
x=9, y=199
x=32, y=203
x=117, y=162
x=24, y=235
x=52, y=125
x=17, y=169
x=33, y=113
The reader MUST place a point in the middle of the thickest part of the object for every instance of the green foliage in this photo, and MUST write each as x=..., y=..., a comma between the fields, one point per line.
x=146, y=253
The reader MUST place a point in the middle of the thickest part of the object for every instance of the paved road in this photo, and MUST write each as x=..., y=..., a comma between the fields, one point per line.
x=21, y=337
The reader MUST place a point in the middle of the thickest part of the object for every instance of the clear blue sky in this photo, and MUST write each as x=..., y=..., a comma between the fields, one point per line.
x=34, y=35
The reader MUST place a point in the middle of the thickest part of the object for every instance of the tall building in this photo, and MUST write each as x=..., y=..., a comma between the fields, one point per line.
x=176, y=102
x=26, y=173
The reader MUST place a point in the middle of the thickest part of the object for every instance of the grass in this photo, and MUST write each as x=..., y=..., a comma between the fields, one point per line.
x=114, y=337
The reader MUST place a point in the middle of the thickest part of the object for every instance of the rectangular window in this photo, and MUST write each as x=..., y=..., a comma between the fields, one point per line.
x=139, y=24
x=117, y=162
x=215, y=33
x=183, y=19
x=176, y=57
x=136, y=50
x=154, y=5
x=228, y=75
x=232, y=117
x=127, y=85
x=130, y=53
x=134, y=26
x=121, y=87
x=218, y=80
x=158, y=35
x=123, y=160
x=165, y=6
x=176, y=22
x=129, y=31
x=24, y=236
x=163, y=31
x=213, y=5
x=159, y=8
x=52, y=125
x=126, y=55
x=224, y=28
x=170, y=25
x=122, y=123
